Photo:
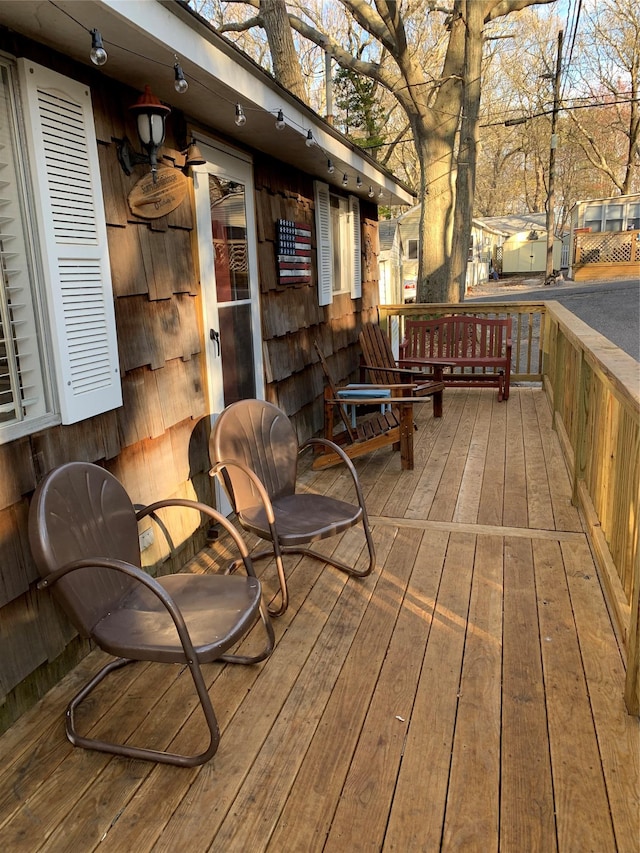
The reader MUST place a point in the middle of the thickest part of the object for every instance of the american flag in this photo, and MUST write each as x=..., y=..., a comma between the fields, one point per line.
x=293, y=252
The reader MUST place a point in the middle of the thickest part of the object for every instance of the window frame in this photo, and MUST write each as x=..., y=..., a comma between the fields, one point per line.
x=42, y=412
x=349, y=231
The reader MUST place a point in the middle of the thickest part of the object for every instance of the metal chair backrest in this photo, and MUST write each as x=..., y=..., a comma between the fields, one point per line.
x=257, y=434
x=80, y=511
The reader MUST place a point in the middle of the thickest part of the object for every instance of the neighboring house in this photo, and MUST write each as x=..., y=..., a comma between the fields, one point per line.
x=389, y=263
x=124, y=329
x=605, y=238
x=483, y=249
x=524, y=249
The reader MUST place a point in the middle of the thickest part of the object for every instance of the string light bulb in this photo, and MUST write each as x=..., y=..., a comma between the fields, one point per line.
x=309, y=140
x=330, y=167
x=241, y=118
x=345, y=180
x=280, y=123
x=97, y=54
x=180, y=84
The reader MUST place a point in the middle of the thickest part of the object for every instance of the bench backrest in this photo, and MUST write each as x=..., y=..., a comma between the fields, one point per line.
x=457, y=337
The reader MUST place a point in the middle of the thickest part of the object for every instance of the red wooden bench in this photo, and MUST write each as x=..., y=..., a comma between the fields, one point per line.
x=478, y=349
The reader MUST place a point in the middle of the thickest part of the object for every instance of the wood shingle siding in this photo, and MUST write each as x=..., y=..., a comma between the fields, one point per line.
x=156, y=442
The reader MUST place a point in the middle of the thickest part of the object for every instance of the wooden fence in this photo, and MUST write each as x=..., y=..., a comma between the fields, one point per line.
x=603, y=255
x=594, y=394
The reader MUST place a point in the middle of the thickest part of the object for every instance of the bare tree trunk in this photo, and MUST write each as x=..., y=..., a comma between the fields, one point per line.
x=435, y=133
x=286, y=66
x=466, y=178
x=436, y=223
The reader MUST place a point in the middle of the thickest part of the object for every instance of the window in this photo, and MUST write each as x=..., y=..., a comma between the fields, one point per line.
x=593, y=218
x=341, y=241
x=23, y=378
x=613, y=221
x=338, y=244
x=412, y=250
x=633, y=216
x=58, y=353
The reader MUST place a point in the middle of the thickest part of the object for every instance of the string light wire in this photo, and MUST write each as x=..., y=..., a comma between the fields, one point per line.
x=181, y=85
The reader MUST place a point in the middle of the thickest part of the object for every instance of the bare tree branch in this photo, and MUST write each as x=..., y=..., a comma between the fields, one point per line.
x=505, y=7
x=370, y=21
x=593, y=152
x=240, y=26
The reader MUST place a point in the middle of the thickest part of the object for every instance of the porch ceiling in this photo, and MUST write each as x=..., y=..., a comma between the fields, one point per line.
x=142, y=39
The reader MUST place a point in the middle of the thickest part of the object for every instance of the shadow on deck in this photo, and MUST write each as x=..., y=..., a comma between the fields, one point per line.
x=467, y=695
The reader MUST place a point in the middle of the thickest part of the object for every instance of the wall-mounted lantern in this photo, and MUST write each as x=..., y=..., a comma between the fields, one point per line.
x=150, y=115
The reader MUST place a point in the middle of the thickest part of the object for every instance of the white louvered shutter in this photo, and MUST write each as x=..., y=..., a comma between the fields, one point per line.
x=71, y=222
x=323, y=240
x=356, y=283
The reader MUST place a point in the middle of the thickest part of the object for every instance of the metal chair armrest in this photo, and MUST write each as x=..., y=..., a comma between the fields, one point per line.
x=140, y=576
x=217, y=517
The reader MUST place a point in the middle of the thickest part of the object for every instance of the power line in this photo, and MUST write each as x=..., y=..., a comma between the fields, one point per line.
x=572, y=39
x=512, y=122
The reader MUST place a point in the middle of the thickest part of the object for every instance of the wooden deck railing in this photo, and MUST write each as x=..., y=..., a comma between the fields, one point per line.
x=592, y=387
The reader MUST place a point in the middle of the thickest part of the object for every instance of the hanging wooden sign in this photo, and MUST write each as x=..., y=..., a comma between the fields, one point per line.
x=152, y=200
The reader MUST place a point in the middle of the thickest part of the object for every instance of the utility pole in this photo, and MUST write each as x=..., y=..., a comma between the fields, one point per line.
x=551, y=220
x=328, y=83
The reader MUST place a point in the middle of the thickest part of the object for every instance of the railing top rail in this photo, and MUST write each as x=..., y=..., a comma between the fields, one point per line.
x=621, y=370
x=464, y=308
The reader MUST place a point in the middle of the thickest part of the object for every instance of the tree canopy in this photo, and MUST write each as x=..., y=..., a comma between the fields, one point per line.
x=418, y=82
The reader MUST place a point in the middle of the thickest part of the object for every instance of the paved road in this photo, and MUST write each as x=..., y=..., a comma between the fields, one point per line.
x=610, y=307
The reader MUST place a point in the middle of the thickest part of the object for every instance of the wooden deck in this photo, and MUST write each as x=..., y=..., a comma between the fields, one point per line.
x=466, y=696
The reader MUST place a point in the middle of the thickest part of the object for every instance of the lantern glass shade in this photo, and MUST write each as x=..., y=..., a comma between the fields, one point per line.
x=150, y=115
x=151, y=129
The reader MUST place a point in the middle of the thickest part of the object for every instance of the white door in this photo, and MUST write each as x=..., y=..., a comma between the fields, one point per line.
x=227, y=249
x=225, y=216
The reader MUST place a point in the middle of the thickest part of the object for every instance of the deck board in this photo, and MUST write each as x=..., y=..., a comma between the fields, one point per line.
x=465, y=696
x=527, y=808
x=576, y=788
x=473, y=808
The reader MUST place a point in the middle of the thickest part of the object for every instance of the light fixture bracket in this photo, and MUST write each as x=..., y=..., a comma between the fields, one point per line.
x=128, y=157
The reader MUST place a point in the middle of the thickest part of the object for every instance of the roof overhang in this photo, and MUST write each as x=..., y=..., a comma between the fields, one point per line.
x=142, y=39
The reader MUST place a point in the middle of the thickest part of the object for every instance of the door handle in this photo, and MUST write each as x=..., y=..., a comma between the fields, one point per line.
x=215, y=337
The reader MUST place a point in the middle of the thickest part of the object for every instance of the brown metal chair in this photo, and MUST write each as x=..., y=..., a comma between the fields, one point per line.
x=254, y=452
x=83, y=532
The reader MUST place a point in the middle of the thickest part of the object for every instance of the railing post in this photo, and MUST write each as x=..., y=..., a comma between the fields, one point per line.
x=579, y=456
x=632, y=681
